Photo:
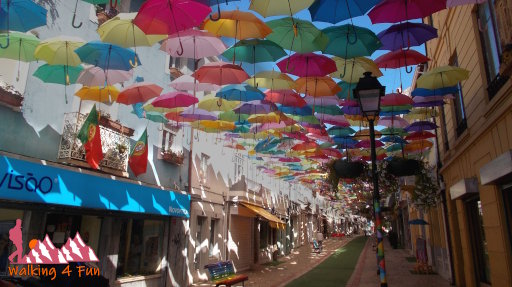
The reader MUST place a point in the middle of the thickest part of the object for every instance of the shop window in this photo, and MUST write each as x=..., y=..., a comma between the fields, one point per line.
x=458, y=101
x=60, y=227
x=490, y=40
x=264, y=234
x=140, y=247
x=478, y=240
x=213, y=248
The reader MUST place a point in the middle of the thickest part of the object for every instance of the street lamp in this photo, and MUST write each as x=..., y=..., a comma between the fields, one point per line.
x=368, y=93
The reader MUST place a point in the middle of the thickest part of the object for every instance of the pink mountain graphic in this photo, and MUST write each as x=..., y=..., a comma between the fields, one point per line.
x=75, y=250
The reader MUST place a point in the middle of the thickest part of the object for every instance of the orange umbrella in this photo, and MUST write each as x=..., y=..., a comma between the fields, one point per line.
x=317, y=86
x=106, y=94
x=138, y=93
x=365, y=134
x=237, y=24
x=418, y=146
x=305, y=146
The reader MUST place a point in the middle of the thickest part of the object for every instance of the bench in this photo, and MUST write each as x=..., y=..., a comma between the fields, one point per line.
x=223, y=274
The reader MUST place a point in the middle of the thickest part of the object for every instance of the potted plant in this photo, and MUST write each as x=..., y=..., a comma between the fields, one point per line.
x=425, y=189
x=173, y=157
x=399, y=166
x=348, y=169
x=121, y=148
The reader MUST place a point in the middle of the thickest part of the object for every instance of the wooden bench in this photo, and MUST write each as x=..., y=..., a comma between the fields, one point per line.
x=223, y=274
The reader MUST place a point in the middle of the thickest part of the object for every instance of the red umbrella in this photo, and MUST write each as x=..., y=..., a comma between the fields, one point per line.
x=287, y=98
x=307, y=65
x=305, y=146
x=175, y=100
x=332, y=152
x=396, y=100
x=420, y=135
x=161, y=17
x=138, y=93
x=289, y=159
x=221, y=73
x=400, y=58
x=393, y=11
x=379, y=157
x=297, y=136
x=367, y=144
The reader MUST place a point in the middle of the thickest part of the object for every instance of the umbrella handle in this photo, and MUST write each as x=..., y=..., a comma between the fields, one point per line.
x=219, y=102
x=218, y=14
x=407, y=70
x=134, y=63
x=74, y=18
x=180, y=52
x=355, y=37
x=7, y=44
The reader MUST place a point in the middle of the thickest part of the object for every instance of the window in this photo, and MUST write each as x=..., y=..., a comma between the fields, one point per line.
x=443, y=128
x=167, y=139
x=458, y=102
x=478, y=240
x=140, y=247
x=213, y=248
x=205, y=161
x=490, y=39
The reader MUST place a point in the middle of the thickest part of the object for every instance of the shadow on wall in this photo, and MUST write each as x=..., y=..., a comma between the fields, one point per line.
x=20, y=138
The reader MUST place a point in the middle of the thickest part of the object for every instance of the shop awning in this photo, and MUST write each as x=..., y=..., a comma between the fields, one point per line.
x=274, y=221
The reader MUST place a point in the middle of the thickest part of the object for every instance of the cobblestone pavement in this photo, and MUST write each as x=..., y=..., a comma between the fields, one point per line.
x=397, y=268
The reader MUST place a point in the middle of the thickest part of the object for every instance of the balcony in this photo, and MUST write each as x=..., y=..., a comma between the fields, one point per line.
x=115, y=145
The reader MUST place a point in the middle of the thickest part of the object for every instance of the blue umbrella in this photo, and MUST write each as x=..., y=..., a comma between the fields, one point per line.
x=108, y=56
x=345, y=142
x=394, y=113
x=405, y=35
x=421, y=126
x=347, y=90
x=266, y=144
x=20, y=15
x=242, y=93
x=304, y=111
x=419, y=92
x=393, y=139
x=418, y=221
x=334, y=11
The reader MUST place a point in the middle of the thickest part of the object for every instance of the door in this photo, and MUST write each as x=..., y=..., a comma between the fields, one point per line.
x=240, y=245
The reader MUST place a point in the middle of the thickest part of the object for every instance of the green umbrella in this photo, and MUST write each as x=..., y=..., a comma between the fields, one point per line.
x=21, y=48
x=347, y=90
x=231, y=116
x=329, y=110
x=350, y=41
x=255, y=51
x=394, y=147
x=297, y=35
x=394, y=131
x=326, y=145
x=242, y=129
x=341, y=131
x=306, y=119
x=156, y=117
x=56, y=74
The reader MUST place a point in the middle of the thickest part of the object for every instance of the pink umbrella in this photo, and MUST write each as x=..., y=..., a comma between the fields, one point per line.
x=161, y=17
x=196, y=44
x=297, y=136
x=393, y=121
x=198, y=114
x=138, y=93
x=396, y=100
x=339, y=121
x=188, y=83
x=367, y=144
x=453, y=3
x=221, y=73
x=400, y=58
x=96, y=76
x=393, y=11
x=307, y=65
x=349, y=103
x=287, y=98
x=175, y=100
x=289, y=159
x=267, y=126
x=323, y=101
x=332, y=152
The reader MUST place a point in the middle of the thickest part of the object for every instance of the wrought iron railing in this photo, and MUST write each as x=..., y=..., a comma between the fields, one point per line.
x=115, y=146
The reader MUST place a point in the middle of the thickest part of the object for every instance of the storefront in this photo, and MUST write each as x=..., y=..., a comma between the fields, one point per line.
x=127, y=225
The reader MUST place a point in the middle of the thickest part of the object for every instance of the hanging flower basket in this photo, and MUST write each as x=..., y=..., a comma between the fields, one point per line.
x=348, y=169
x=399, y=166
x=170, y=156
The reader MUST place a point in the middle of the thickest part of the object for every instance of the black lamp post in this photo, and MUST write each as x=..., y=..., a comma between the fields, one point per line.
x=368, y=93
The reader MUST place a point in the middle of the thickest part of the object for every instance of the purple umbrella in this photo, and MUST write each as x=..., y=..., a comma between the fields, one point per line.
x=198, y=114
x=421, y=126
x=393, y=11
x=406, y=35
x=255, y=107
x=351, y=110
x=428, y=104
x=322, y=101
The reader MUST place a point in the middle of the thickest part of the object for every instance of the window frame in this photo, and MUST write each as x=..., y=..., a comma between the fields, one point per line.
x=458, y=102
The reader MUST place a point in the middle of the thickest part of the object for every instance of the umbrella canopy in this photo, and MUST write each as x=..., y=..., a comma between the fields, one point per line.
x=193, y=44
x=307, y=65
x=347, y=89
x=418, y=146
x=405, y=35
x=188, y=83
x=108, y=56
x=323, y=101
x=279, y=7
x=106, y=94
x=264, y=118
x=328, y=110
x=198, y=114
x=305, y=146
x=297, y=35
x=317, y=86
x=220, y=73
x=272, y=80
x=20, y=15
x=419, y=92
x=218, y=125
x=212, y=104
x=393, y=11
x=58, y=74
x=400, y=58
x=139, y=92
x=420, y=135
x=166, y=17
x=421, y=126
x=255, y=107
x=393, y=121
x=304, y=111
x=96, y=76
x=174, y=100
x=350, y=41
x=393, y=139
x=156, y=117
x=237, y=24
x=254, y=51
x=242, y=93
x=442, y=77
x=59, y=51
x=22, y=46
x=336, y=120
x=340, y=131
x=395, y=99
x=123, y=32
x=351, y=70
x=285, y=97
x=334, y=11
x=231, y=116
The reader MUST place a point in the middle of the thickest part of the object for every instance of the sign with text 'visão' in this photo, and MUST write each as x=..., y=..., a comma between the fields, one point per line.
x=31, y=182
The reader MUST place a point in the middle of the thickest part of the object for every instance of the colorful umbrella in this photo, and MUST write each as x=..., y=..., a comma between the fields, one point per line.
x=297, y=35
x=305, y=146
x=393, y=139
x=351, y=70
x=279, y=7
x=212, y=104
x=420, y=135
x=340, y=131
x=317, y=86
x=419, y=92
x=400, y=58
x=242, y=93
x=323, y=101
x=396, y=99
x=220, y=73
x=231, y=116
x=442, y=77
x=334, y=11
x=174, y=100
x=197, y=114
x=350, y=41
x=237, y=24
x=418, y=146
x=218, y=125
x=58, y=74
x=121, y=31
x=272, y=80
x=22, y=46
x=193, y=44
x=335, y=120
x=255, y=107
x=347, y=90
x=453, y=3
x=307, y=65
x=393, y=11
x=138, y=93
x=328, y=110
x=285, y=97
x=59, y=51
x=254, y=51
x=405, y=35
x=304, y=111
x=264, y=118
x=20, y=15
x=106, y=94
x=166, y=17
x=421, y=126
x=108, y=56
x=156, y=117
x=393, y=121
x=421, y=114
x=96, y=76
x=188, y=83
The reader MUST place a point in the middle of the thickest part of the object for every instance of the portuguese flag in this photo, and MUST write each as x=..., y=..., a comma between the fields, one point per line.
x=139, y=158
x=90, y=137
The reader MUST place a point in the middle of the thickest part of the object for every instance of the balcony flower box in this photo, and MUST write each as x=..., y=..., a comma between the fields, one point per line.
x=105, y=121
x=173, y=157
x=10, y=97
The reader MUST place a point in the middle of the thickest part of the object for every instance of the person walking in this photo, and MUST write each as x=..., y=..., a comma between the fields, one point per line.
x=319, y=239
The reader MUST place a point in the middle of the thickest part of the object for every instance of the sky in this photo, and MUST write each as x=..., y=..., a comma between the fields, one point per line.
x=392, y=77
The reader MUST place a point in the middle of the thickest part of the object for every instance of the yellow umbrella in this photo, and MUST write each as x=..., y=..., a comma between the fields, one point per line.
x=99, y=94
x=279, y=7
x=441, y=77
x=151, y=108
x=365, y=135
x=417, y=146
x=237, y=24
x=421, y=114
x=351, y=70
x=121, y=31
x=59, y=51
x=317, y=86
x=261, y=118
x=218, y=125
x=213, y=104
x=271, y=80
